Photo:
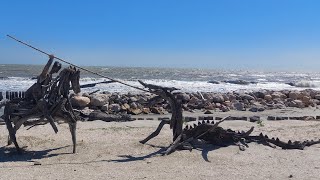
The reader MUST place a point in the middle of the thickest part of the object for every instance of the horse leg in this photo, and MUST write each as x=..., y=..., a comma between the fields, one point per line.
x=42, y=105
x=73, y=127
x=51, y=121
x=67, y=108
x=12, y=133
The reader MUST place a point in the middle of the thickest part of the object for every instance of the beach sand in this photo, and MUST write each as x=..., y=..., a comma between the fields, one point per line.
x=112, y=151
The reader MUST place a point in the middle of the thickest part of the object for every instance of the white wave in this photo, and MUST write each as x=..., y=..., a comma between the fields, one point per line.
x=22, y=84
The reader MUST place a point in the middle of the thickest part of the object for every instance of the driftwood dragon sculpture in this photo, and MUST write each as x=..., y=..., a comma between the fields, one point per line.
x=209, y=132
x=47, y=99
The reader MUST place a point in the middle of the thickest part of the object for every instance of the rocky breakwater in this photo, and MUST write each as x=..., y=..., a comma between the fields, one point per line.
x=118, y=107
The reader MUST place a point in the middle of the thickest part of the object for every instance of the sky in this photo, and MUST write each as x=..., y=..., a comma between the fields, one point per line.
x=235, y=34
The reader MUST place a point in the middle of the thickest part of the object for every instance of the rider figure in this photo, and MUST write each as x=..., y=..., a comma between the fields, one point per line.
x=38, y=89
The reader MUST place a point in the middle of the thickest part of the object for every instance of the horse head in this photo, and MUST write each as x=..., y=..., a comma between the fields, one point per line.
x=75, y=78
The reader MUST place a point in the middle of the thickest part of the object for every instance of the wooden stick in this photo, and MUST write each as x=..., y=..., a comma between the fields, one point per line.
x=37, y=49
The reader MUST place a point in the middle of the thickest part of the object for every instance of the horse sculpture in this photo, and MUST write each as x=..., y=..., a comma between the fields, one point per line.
x=54, y=103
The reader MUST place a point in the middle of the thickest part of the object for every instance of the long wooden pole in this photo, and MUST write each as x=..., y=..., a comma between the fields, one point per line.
x=39, y=50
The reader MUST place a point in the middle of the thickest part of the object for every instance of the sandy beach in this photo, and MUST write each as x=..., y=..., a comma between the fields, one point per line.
x=111, y=150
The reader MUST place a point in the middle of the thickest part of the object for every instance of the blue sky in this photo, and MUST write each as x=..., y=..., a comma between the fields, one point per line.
x=237, y=34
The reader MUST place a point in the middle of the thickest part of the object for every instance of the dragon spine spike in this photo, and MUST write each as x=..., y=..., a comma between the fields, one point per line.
x=194, y=125
x=208, y=121
x=266, y=137
x=203, y=121
x=212, y=122
x=289, y=142
x=277, y=140
x=273, y=138
x=199, y=123
x=261, y=135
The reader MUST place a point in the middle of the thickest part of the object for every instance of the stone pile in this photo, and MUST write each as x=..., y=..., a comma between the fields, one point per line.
x=135, y=104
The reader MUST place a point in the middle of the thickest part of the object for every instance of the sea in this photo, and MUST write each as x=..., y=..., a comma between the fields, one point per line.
x=21, y=77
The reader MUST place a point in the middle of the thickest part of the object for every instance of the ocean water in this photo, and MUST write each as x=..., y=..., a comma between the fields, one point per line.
x=21, y=77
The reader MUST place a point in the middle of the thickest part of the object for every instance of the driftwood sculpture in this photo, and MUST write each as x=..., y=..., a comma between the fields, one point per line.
x=209, y=132
x=45, y=100
x=176, y=110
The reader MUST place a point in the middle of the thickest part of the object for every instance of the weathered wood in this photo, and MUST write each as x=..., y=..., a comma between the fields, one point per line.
x=176, y=120
x=156, y=132
x=98, y=115
x=7, y=95
x=47, y=98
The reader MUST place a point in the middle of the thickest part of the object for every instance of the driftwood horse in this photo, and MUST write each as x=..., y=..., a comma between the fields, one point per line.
x=54, y=103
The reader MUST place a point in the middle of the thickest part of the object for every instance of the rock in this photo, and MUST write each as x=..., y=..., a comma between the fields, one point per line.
x=207, y=96
x=209, y=106
x=125, y=106
x=317, y=96
x=296, y=103
x=156, y=110
x=134, y=111
x=224, y=109
x=183, y=97
x=268, y=97
x=259, y=94
x=99, y=99
x=105, y=107
x=133, y=105
x=231, y=97
x=86, y=111
x=194, y=100
x=278, y=95
x=294, y=95
x=306, y=100
x=239, y=106
x=85, y=94
x=217, y=98
x=208, y=112
x=315, y=101
x=279, y=106
x=115, y=107
x=253, y=109
x=312, y=93
x=80, y=101
x=247, y=97
x=133, y=99
x=146, y=111
x=254, y=118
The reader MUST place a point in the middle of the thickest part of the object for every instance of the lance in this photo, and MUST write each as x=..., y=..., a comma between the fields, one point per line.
x=39, y=50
